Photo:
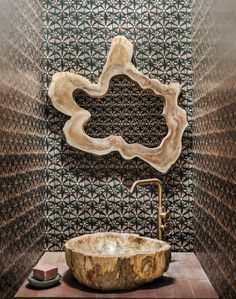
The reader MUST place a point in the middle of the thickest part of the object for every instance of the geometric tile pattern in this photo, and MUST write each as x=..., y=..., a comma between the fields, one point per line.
x=88, y=193
x=214, y=139
x=22, y=156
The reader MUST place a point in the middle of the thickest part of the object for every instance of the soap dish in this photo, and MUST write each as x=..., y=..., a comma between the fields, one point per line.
x=43, y=284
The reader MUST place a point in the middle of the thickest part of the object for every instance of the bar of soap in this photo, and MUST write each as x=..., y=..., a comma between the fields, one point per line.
x=45, y=272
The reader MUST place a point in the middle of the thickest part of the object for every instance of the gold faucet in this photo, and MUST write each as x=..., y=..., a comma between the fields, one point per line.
x=161, y=215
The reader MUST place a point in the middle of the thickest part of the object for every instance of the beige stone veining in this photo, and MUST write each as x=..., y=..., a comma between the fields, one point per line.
x=119, y=63
x=116, y=261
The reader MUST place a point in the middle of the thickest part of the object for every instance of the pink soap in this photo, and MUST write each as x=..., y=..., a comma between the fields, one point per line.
x=45, y=272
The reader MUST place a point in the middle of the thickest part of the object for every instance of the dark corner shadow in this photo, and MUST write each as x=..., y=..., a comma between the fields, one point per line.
x=29, y=286
x=173, y=261
x=161, y=282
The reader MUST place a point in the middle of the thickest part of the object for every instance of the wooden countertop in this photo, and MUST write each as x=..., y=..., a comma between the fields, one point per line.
x=185, y=279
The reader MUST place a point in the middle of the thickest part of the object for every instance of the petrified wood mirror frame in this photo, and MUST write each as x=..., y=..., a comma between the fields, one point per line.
x=119, y=63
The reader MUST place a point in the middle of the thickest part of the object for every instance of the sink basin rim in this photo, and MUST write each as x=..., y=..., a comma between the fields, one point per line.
x=164, y=245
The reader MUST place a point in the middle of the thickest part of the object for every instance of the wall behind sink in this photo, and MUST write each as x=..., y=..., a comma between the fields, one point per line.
x=214, y=115
x=21, y=142
x=87, y=193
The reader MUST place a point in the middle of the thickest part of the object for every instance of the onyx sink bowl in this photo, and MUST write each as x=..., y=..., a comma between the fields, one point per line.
x=116, y=261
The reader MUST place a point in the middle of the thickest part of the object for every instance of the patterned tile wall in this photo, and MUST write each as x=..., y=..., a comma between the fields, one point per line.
x=88, y=193
x=22, y=154
x=214, y=139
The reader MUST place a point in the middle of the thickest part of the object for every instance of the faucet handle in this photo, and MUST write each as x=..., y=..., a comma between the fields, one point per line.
x=165, y=216
x=168, y=223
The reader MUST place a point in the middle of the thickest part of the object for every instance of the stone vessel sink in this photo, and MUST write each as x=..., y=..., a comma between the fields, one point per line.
x=116, y=261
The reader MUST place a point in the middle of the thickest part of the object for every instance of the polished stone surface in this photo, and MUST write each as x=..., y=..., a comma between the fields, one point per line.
x=115, y=261
x=184, y=279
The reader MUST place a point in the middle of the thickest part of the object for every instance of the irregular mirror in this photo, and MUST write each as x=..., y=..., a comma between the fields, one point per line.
x=118, y=63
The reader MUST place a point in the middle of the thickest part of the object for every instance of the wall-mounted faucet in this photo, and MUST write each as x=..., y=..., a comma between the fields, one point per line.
x=163, y=218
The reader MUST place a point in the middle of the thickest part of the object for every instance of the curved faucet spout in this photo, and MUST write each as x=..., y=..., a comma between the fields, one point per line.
x=148, y=182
